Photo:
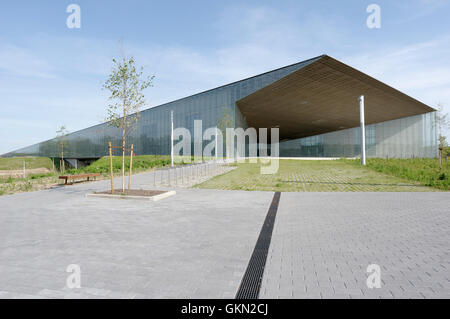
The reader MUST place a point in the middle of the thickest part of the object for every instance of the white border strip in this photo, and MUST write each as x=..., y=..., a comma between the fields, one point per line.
x=145, y=198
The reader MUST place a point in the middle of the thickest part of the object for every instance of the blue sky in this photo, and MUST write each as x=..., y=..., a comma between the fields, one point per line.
x=52, y=75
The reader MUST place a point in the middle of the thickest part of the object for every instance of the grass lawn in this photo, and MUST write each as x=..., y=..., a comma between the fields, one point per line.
x=423, y=170
x=13, y=163
x=140, y=163
x=10, y=185
x=312, y=176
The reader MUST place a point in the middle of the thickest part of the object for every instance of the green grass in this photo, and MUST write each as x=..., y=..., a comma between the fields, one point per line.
x=311, y=176
x=9, y=185
x=426, y=171
x=140, y=163
x=14, y=163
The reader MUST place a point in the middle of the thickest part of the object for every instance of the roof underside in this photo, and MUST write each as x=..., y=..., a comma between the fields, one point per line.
x=323, y=97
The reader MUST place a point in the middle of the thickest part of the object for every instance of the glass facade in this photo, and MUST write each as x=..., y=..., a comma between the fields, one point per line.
x=152, y=135
x=414, y=136
x=407, y=137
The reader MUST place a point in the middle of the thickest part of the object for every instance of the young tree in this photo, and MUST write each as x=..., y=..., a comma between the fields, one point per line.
x=126, y=84
x=61, y=134
x=443, y=124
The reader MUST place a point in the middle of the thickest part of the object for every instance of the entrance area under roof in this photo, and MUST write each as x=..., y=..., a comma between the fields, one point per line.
x=322, y=97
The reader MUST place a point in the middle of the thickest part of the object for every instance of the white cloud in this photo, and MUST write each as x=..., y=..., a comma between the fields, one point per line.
x=17, y=61
x=420, y=70
x=413, y=68
x=53, y=80
x=414, y=10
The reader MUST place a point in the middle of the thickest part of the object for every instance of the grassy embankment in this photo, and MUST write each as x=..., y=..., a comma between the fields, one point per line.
x=16, y=163
x=10, y=185
x=293, y=175
x=426, y=171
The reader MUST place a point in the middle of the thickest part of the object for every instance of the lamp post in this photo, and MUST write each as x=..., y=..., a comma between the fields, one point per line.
x=171, y=138
x=363, y=130
x=216, y=146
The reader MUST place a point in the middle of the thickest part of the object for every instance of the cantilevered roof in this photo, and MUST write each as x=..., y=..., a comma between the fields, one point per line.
x=323, y=97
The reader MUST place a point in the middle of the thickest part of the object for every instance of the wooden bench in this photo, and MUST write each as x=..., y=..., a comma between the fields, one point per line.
x=74, y=177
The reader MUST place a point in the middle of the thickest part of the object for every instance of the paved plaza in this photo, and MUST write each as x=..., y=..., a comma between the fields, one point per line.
x=322, y=245
x=197, y=244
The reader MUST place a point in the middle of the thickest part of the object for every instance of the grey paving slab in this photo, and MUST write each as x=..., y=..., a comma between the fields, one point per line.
x=323, y=242
x=195, y=244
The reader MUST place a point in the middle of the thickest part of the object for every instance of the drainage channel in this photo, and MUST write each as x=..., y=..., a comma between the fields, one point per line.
x=251, y=282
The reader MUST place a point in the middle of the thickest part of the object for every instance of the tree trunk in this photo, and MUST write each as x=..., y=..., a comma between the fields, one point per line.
x=123, y=160
x=62, y=157
x=124, y=133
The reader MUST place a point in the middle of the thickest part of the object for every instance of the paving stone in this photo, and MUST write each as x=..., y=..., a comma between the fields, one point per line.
x=195, y=244
x=333, y=237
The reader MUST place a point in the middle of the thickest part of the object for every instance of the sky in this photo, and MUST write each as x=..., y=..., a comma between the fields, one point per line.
x=51, y=75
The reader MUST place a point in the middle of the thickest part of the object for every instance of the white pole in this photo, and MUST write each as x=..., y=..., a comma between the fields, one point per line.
x=171, y=137
x=24, y=174
x=363, y=130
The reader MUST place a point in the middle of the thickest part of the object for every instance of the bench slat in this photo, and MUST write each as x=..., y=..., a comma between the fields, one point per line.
x=79, y=176
x=74, y=177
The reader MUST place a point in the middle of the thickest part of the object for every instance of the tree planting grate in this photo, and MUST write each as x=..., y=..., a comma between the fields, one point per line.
x=251, y=282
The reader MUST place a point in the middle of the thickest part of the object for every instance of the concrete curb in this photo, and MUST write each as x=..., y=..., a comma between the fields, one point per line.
x=144, y=198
